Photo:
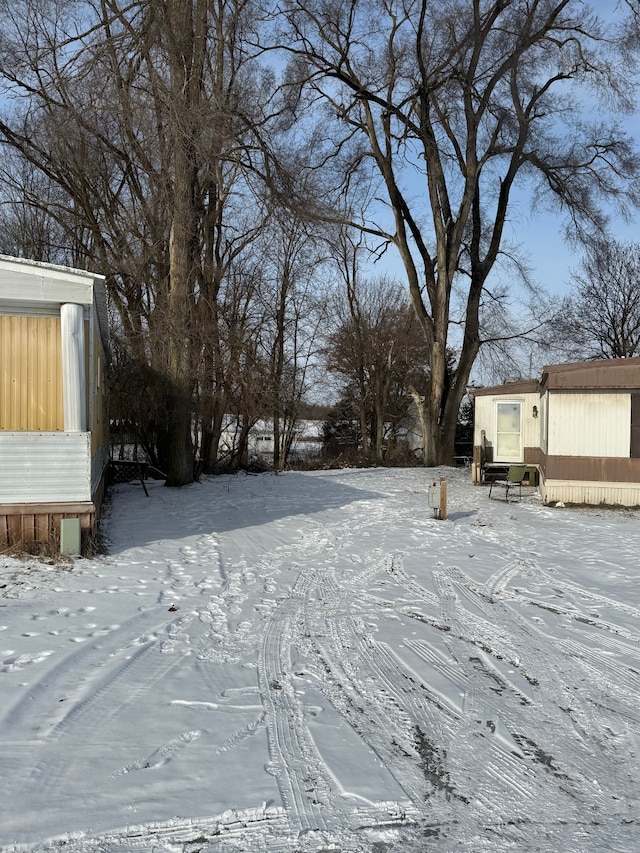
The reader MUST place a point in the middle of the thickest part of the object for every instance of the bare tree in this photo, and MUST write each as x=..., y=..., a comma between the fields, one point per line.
x=293, y=295
x=378, y=349
x=520, y=335
x=601, y=318
x=26, y=228
x=141, y=114
x=436, y=111
x=230, y=316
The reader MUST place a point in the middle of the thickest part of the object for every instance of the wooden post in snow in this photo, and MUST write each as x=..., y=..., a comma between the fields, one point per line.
x=443, y=498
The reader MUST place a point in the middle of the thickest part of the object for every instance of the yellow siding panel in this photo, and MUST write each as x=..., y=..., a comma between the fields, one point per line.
x=4, y=374
x=36, y=401
x=49, y=357
x=30, y=374
x=12, y=372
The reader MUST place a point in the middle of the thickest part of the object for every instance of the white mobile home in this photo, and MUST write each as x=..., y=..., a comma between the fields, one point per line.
x=579, y=426
x=53, y=424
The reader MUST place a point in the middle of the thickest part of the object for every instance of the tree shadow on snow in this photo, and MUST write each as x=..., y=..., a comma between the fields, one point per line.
x=219, y=505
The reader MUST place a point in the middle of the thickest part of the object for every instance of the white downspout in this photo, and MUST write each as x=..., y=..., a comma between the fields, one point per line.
x=73, y=378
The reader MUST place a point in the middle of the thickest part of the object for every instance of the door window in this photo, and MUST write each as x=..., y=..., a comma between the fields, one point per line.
x=508, y=432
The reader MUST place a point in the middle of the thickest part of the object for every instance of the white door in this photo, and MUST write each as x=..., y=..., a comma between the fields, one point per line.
x=508, y=432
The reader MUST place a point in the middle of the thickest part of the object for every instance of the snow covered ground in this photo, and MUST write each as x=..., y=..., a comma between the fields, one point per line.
x=312, y=662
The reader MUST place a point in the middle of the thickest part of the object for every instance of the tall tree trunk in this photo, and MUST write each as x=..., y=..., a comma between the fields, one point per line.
x=184, y=67
x=243, y=444
x=423, y=418
x=278, y=456
x=179, y=393
x=212, y=432
x=364, y=426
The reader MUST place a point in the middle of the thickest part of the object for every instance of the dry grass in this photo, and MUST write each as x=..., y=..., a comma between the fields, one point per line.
x=44, y=552
x=93, y=543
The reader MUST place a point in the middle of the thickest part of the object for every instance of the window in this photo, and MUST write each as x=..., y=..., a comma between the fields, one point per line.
x=508, y=432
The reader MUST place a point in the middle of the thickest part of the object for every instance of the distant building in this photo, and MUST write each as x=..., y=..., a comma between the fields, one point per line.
x=307, y=437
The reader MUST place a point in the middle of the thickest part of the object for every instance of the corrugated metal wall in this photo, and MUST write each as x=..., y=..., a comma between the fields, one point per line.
x=45, y=466
x=30, y=374
x=589, y=424
x=610, y=494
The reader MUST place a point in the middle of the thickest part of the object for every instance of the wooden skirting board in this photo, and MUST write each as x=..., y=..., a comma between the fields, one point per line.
x=26, y=523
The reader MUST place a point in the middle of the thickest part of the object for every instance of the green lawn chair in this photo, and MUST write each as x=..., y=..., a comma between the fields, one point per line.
x=515, y=476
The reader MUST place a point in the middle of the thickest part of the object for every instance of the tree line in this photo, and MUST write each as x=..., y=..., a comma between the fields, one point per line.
x=232, y=166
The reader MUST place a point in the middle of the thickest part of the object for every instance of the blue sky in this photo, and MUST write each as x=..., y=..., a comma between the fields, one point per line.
x=541, y=233
x=543, y=246
x=550, y=255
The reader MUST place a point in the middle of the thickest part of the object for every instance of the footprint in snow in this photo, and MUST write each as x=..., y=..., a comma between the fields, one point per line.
x=14, y=662
x=160, y=756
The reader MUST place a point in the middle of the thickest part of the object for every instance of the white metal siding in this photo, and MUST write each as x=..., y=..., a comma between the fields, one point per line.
x=531, y=425
x=584, y=492
x=34, y=288
x=39, y=467
x=485, y=417
x=589, y=424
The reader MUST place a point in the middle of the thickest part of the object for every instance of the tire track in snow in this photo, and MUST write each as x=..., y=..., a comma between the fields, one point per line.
x=618, y=681
x=292, y=760
x=108, y=676
x=489, y=756
x=361, y=681
x=505, y=767
x=75, y=672
x=542, y=732
x=262, y=828
x=313, y=798
x=398, y=691
x=83, y=722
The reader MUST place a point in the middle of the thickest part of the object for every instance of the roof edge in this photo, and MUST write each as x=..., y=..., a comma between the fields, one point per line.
x=521, y=386
x=42, y=266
